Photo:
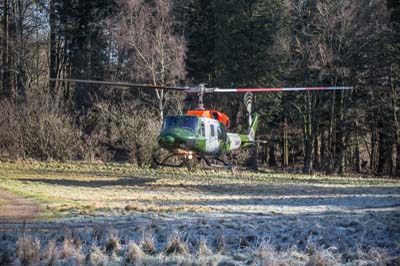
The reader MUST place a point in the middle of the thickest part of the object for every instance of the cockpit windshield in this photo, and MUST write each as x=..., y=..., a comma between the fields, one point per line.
x=186, y=122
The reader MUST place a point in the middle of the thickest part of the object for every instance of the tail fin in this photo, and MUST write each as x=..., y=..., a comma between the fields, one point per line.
x=253, y=127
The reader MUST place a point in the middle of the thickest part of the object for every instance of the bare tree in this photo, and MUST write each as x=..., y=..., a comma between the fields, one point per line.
x=156, y=54
x=329, y=38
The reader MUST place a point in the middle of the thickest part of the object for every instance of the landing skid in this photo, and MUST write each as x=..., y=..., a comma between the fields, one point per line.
x=164, y=162
x=219, y=163
x=192, y=162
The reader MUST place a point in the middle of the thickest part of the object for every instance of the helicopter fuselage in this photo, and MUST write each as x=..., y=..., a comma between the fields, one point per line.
x=188, y=134
x=193, y=135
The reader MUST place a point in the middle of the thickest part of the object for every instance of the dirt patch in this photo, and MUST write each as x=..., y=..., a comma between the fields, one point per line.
x=16, y=209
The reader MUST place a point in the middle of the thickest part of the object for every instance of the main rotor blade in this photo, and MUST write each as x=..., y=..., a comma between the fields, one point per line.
x=280, y=89
x=196, y=89
x=122, y=84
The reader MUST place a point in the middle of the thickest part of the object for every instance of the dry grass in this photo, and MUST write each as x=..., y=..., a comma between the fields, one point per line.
x=28, y=250
x=97, y=257
x=147, y=244
x=71, y=252
x=267, y=255
x=176, y=246
x=113, y=243
x=116, y=214
x=134, y=255
x=51, y=253
x=203, y=249
x=72, y=189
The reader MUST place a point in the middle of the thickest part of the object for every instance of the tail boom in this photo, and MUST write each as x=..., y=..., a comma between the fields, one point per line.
x=237, y=141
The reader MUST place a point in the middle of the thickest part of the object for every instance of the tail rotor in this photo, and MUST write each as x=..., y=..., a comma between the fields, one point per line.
x=248, y=102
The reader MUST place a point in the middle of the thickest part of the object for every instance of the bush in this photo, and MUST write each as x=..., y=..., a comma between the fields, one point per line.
x=130, y=128
x=47, y=128
x=40, y=128
x=44, y=128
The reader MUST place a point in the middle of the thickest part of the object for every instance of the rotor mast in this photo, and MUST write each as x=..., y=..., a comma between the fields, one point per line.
x=201, y=95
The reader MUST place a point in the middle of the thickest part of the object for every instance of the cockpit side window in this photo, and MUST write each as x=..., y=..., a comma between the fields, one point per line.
x=185, y=122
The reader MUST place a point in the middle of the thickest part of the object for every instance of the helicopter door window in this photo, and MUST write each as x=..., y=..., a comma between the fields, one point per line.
x=223, y=134
x=212, y=131
x=219, y=133
x=202, y=129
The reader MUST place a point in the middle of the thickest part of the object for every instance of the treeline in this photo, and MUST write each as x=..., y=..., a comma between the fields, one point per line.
x=268, y=43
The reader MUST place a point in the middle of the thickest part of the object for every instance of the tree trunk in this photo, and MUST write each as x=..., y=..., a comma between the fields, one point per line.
x=310, y=128
x=53, y=49
x=382, y=149
x=330, y=150
x=285, y=145
x=272, y=159
x=5, y=68
x=372, y=164
x=238, y=117
x=357, y=147
x=340, y=137
x=322, y=150
x=308, y=148
x=396, y=170
x=253, y=163
x=21, y=75
x=317, y=156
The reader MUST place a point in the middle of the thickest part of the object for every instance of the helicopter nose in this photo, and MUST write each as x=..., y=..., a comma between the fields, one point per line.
x=168, y=140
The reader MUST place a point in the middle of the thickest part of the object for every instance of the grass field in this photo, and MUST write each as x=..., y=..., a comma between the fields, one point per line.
x=202, y=218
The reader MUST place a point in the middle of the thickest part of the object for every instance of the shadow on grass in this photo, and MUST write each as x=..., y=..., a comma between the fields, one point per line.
x=234, y=189
x=122, y=181
x=288, y=190
x=349, y=202
x=77, y=172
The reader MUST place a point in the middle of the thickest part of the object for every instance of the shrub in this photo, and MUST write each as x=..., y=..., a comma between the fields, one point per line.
x=131, y=129
x=42, y=127
x=46, y=128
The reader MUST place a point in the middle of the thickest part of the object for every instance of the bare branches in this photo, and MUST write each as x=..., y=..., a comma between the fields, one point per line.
x=156, y=54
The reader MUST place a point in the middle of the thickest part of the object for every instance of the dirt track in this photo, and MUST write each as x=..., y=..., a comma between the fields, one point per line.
x=15, y=209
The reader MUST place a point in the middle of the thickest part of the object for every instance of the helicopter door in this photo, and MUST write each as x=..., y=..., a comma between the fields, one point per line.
x=212, y=144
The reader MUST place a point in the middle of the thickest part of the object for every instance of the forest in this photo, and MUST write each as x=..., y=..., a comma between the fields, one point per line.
x=224, y=43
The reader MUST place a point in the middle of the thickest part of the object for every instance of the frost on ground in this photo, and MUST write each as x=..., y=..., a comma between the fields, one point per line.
x=140, y=217
x=362, y=238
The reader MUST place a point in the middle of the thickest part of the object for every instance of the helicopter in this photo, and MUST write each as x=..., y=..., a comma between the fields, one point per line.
x=202, y=134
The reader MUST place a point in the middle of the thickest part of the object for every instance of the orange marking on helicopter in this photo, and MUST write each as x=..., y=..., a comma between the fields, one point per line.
x=213, y=114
